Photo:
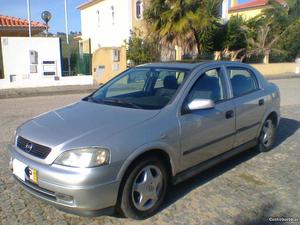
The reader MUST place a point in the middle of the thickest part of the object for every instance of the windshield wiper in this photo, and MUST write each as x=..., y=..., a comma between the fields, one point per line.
x=92, y=99
x=114, y=101
x=120, y=102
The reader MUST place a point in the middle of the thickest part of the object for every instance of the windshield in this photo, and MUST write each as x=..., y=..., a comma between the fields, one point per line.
x=145, y=88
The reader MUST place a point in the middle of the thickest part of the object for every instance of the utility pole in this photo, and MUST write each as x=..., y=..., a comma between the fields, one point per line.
x=67, y=36
x=29, y=17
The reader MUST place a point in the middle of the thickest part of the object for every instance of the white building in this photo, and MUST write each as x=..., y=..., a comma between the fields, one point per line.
x=107, y=24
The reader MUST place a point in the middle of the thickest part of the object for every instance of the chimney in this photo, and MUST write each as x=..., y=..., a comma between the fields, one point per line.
x=233, y=3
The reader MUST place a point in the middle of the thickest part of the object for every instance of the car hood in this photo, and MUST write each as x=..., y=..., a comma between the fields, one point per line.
x=82, y=123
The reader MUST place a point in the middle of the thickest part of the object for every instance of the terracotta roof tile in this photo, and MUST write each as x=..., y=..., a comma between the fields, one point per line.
x=9, y=21
x=252, y=4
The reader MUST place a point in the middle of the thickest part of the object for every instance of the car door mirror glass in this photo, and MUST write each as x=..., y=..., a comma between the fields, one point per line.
x=198, y=104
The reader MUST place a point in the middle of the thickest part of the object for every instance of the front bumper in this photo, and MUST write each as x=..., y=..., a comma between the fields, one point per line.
x=82, y=191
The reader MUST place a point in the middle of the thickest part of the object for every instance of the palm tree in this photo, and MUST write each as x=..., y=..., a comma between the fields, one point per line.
x=263, y=42
x=187, y=23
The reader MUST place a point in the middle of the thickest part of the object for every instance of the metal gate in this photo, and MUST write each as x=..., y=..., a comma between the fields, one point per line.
x=72, y=55
x=84, y=64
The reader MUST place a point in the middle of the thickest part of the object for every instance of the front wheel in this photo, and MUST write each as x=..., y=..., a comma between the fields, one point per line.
x=144, y=189
x=267, y=136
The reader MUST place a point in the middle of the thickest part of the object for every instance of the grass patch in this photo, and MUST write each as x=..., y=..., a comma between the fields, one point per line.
x=251, y=179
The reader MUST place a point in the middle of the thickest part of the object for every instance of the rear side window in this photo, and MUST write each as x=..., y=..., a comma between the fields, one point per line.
x=243, y=81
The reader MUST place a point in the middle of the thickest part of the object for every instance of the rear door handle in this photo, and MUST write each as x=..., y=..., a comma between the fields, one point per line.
x=229, y=114
x=261, y=102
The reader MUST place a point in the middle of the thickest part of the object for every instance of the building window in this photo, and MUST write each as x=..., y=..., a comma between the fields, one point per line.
x=139, y=9
x=116, y=55
x=98, y=17
x=113, y=14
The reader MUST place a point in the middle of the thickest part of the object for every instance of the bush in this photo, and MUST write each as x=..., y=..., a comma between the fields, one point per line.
x=142, y=49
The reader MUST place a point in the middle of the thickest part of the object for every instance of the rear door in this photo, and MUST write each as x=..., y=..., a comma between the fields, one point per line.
x=210, y=132
x=249, y=100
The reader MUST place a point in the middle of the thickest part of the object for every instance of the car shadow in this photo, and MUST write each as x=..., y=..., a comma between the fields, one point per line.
x=287, y=128
x=264, y=214
x=180, y=190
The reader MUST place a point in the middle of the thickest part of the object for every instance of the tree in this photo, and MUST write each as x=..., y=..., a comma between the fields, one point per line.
x=229, y=39
x=290, y=42
x=142, y=50
x=187, y=23
x=265, y=31
x=263, y=42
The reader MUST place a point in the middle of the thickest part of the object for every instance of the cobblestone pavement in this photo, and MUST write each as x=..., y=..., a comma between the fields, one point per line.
x=247, y=189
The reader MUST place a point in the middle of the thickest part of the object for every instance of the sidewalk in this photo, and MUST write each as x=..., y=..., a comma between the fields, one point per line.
x=77, y=89
x=282, y=76
x=45, y=91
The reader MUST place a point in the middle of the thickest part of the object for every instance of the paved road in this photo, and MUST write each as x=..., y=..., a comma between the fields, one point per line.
x=247, y=189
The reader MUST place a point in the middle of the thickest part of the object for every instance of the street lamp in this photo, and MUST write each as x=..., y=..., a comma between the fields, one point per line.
x=67, y=36
x=46, y=16
x=29, y=17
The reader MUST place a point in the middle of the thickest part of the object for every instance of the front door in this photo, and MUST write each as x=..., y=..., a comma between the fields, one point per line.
x=207, y=133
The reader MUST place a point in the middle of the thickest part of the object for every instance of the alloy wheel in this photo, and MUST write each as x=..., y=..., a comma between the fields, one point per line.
x=267, y=133
x=147, y=188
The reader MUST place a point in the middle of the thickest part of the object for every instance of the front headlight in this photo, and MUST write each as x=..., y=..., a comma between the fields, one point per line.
x=84, y=157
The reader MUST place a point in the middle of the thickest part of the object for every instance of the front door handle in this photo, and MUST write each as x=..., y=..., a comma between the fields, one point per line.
x=261, y=102
x=229, y=114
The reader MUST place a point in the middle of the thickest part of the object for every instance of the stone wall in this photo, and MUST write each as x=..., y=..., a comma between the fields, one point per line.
x=277, y=68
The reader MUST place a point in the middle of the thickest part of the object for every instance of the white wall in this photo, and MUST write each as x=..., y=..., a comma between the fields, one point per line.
x=46, y=82
x=105, y=33
x=16, y=61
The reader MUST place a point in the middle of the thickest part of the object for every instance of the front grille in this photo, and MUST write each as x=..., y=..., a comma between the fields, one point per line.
x=32, y=148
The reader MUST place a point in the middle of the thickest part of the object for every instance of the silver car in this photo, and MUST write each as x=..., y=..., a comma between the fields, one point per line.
x=153, y=125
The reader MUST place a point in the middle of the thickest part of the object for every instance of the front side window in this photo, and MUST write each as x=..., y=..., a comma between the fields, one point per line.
x=208, y=86
x=242, y=80
x=145, y=88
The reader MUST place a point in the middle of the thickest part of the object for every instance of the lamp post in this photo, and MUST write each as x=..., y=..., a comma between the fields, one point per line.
x=46, y=16
x=67, y=36
x=29, y=17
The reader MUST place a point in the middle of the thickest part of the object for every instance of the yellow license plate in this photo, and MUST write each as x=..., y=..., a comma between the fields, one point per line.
x=33, y=175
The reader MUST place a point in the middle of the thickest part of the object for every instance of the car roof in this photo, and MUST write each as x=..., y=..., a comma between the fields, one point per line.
x=172, y=65
x=190, y=65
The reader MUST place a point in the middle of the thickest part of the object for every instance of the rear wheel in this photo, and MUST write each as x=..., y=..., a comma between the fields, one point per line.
x=144, y=189
x=267, y=136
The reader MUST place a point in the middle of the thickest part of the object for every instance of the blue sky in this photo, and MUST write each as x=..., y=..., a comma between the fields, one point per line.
x=18, y=8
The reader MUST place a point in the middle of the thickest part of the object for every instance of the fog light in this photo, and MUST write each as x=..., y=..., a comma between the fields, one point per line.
x=64, y=198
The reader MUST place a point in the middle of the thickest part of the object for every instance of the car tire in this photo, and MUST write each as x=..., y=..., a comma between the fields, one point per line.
x=267, y=136
x=144, y=189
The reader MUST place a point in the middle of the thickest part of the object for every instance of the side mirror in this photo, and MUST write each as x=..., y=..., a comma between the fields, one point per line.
x=198, y=104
